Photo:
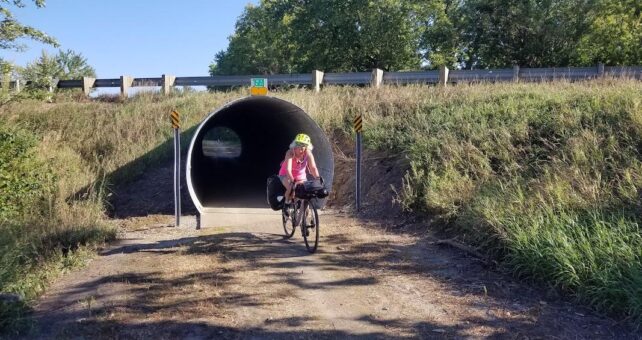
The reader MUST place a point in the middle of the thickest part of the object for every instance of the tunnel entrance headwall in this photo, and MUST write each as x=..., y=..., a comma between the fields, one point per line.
x=237, y=147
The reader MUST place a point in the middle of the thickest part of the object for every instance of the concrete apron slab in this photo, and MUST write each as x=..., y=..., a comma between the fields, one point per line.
x=250, y=218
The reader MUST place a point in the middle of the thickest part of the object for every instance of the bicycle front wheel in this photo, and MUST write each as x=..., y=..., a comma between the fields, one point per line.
x=310, y=226
x=287, y=215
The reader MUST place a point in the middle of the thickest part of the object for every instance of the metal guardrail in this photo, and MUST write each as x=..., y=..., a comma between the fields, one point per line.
x=99, y=82
x=624, y=71
x=426, y=77
x=572, y=73
x=354, y=78
x=375, y=78
x=481, y=75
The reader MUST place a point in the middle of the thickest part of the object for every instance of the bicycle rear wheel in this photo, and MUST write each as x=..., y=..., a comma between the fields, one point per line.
x=310, y=226
x=287, y=215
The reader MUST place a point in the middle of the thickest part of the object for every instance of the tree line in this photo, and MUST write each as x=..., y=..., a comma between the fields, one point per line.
x=40, y=73
x=298, y=36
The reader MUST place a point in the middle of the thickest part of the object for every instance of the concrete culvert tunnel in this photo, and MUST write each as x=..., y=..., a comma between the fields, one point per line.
x=237, y=147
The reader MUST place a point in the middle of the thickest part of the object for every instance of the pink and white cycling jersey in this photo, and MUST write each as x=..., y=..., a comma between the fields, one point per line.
x=298, y=169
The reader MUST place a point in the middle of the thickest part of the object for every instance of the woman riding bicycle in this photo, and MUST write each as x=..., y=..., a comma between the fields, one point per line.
x=297, y=160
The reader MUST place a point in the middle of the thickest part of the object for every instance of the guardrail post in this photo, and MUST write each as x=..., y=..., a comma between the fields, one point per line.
x=377, y=78
x=515, y=73
x=317, y=80
x=600, y=70
x=87, y=84
x=443, y=75
x=125, y=84
x=167, y=83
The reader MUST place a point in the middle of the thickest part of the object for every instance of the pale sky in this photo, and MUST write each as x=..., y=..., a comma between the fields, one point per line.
x=140, y=38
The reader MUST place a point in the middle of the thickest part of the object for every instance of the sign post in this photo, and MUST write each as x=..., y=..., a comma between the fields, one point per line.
x=176, y=125
x=358, y=124
x=258, y=86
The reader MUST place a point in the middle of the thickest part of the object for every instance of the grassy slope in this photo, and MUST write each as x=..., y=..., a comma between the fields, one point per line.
x=546, y=177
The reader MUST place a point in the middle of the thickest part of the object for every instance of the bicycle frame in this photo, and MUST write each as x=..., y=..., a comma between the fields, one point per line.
x=304, y=214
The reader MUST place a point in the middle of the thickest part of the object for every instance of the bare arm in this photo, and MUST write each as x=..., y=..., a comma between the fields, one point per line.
x=312, y=165
x=288, y=164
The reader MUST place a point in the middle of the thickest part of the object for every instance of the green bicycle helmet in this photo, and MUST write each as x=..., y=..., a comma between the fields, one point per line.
x=302, y=139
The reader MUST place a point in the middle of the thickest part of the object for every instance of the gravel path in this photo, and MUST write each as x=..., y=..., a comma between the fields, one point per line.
x=246, y=281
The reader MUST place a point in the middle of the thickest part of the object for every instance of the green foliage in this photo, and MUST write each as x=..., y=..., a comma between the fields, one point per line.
x=73, y=65
x=41, y=72
x=23, y=178
x=259, y=46
x=615, y=34
x=13, y=317
x=594, y=255
x=5, y=74
x=547, y=178
x=501, y=33
x=441, y=39
x=12, y=31
x=5, y=77
x=287, y=36
x=291, y=36
x=8, y=74
x=31, y=260
x=65, y=65
x=357, y=35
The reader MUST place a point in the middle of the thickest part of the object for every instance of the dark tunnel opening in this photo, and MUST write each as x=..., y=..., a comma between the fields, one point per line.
x=237, y=147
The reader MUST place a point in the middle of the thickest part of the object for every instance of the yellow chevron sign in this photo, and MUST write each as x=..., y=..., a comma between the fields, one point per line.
x=176, y=120
x=358, y=123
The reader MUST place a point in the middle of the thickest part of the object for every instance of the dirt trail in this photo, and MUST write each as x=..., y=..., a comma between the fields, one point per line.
x=244, y=282
x=367, y=280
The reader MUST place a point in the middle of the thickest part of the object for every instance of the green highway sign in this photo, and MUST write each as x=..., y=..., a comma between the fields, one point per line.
x=258, y=86
x=259, y=82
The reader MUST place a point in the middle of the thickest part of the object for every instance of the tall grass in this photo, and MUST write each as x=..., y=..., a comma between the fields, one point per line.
x=58, y=161
x=545, y=177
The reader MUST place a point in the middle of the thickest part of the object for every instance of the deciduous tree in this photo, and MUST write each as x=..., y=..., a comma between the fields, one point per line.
x=11, y=30
x=615, y=34
x=531, y=33
x=284, y=36
x=68, y=64
x=73, y=65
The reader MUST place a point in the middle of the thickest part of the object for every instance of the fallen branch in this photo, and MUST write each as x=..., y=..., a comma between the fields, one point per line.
x=470, y=250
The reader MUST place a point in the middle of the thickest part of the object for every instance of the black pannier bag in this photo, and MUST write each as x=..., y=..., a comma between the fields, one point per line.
x=311, y=189
x=275, y=189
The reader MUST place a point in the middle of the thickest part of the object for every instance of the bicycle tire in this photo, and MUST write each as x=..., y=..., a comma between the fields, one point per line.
x=310, y=223
x=288, y=221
